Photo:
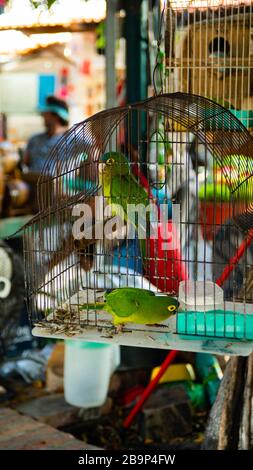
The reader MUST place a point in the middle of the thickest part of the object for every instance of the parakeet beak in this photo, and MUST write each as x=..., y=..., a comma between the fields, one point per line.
x=101, y=167
x=105, y=164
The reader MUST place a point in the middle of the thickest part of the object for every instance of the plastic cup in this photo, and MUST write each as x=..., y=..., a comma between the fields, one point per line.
x=87, y=370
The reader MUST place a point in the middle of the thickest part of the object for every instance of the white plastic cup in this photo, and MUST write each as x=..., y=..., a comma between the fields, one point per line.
x=87, y=370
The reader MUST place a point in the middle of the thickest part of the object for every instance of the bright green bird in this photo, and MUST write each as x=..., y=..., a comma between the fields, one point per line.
x=134, y=305
x=120, y=186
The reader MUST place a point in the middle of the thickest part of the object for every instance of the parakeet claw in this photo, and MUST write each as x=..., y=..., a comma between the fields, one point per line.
x=119, y=328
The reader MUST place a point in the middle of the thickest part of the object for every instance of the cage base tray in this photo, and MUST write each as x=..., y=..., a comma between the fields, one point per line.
x=157, y=339
x=164, y=336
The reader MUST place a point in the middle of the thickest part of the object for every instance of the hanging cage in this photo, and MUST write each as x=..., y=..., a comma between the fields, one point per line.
x=208, y=49
x=171, y=271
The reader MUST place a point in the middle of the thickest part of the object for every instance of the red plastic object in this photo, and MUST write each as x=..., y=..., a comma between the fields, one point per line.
x=164, y=267
x=131, y=395
x=148, y=390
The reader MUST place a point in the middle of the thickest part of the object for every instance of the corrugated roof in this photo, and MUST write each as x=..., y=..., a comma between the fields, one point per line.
x=15, y=42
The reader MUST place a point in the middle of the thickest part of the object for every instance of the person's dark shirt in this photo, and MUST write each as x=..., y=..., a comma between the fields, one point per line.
x=38, y=149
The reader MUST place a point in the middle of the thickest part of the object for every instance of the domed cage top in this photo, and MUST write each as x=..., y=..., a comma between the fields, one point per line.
x=144, y=230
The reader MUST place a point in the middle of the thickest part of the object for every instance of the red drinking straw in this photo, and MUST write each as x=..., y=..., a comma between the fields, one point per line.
x=235, y=259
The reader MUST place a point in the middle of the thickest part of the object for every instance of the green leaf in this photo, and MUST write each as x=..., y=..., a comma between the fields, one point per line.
x=50, y=3
x=46, y=3
x=34, y=3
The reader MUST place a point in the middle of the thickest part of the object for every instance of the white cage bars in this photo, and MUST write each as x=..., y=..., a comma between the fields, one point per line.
x=209, y=51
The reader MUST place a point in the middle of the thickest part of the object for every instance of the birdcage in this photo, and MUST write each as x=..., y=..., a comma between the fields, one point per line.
x=144, y=229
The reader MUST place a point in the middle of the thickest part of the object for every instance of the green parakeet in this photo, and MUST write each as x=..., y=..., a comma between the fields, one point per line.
x=134, y=305
x=121, y=187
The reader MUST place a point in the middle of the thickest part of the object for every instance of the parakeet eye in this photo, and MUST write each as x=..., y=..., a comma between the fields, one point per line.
x=110, y=161
x=171, y=308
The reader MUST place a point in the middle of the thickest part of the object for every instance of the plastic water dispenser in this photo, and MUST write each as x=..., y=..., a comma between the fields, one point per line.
x=200, y=296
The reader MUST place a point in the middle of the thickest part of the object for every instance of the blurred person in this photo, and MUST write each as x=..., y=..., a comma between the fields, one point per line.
x=56, y=121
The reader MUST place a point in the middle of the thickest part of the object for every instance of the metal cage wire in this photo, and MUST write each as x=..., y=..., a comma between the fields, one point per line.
x=193, y=156
x=208, y=48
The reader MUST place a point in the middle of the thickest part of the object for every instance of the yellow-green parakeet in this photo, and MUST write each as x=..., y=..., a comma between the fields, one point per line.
x=120, y=186
x=134, y=305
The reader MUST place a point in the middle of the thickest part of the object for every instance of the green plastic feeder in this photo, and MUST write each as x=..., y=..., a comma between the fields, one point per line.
x=215, y=324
